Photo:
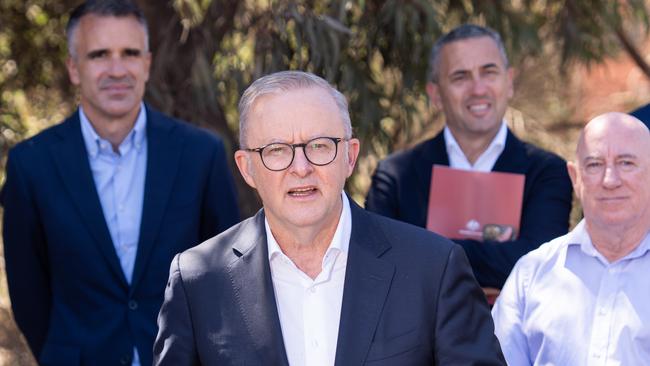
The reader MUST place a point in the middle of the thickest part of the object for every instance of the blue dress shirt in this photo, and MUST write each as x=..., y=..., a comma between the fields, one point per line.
x=119, y=179
x=566, y=304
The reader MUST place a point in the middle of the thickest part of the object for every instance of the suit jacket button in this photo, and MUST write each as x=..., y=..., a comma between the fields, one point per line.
x=133, y=304
x=125, y=360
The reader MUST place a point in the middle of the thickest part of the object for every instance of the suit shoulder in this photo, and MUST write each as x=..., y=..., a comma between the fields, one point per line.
x=400, y=161
x=410, y=238
x=218, y=252
x=541, y=156
x=39, y=141
x=195, y=134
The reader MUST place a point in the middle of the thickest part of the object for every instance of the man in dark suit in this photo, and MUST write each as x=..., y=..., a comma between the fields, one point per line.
x=97, y=206
x=472, y=84
x=313, y=279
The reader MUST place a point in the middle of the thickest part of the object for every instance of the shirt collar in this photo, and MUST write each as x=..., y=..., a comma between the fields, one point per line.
x=498, y=142
x=93, y=141
x=580, y=236
x=340, y=240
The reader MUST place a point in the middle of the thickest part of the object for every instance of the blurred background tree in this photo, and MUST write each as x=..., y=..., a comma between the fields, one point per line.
x=206, y=52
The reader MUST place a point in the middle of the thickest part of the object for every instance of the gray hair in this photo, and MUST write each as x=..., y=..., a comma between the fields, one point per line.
x=116, y=8
x=465, y=31
x=286, y=81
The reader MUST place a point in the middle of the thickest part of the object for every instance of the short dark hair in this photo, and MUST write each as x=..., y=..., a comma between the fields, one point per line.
x=465, y=31
x=116, y=8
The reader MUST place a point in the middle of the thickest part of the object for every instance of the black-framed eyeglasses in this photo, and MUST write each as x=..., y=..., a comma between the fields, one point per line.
x=319, y=151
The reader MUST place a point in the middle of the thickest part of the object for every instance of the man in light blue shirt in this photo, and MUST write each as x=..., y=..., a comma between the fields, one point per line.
x=584, y=298
x=96, y=207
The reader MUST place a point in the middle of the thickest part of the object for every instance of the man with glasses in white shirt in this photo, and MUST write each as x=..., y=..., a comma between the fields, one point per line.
x=313, y=279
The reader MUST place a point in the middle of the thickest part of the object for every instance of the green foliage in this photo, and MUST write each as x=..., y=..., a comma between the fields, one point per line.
x=207, y=51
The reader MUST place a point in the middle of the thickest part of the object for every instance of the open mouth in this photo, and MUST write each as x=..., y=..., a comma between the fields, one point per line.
x=479, y=109
x=302, y=192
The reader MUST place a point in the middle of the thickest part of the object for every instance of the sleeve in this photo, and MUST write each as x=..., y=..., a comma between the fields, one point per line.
x=464, y=332
x=219, y=208
x=26, y=260
x=545, y=216
x=382, y=196
x=175, y=343
x=508, y=319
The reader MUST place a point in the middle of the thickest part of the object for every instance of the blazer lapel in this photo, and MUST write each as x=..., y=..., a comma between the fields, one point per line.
x=513, y=158
x=163, y=157
x=254, y=292
x=71, y=159
x=367, y=282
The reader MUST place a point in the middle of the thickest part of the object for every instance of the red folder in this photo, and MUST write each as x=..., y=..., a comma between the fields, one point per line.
x=462, y=203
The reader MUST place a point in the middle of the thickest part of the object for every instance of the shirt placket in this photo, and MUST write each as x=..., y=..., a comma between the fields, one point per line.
x=603, y=317
x=315, y=318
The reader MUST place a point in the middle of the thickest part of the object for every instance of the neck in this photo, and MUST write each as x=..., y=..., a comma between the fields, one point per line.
x=615, y=243
x=473, y=145
x=305, y=246
x=114, y=130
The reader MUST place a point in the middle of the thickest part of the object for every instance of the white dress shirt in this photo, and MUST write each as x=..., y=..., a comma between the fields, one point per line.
x=310, y=310
x=485, y=161
x=566, y=304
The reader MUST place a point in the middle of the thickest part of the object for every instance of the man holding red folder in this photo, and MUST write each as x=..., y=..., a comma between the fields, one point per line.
x=471, y=83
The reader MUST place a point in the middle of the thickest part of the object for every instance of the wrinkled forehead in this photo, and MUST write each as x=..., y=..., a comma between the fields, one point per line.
x=296, y=113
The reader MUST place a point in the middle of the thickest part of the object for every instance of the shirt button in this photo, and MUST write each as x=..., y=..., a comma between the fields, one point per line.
x=596, y=355
x=121, y=207
x=314, y=343
x=312, y=290
x=133, y=304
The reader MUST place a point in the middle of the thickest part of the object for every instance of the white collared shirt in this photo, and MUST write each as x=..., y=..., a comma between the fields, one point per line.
x=485, y=161
x=310, y=310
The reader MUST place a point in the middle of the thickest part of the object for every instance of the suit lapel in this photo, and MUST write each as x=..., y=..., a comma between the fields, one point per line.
x=254, y=292
x=163, y=158
x=71, y=160
x=367, y=283
x=513, y=158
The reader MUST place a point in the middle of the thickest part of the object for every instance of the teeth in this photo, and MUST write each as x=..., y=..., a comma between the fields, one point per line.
x=301, y=191
x=478, y=107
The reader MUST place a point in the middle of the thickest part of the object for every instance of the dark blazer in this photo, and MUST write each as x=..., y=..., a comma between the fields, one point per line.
x=643, y=114
x=400, y=189
x=409, y=299
x=69, y=295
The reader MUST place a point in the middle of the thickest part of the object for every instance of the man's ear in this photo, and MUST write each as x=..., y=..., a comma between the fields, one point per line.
x=245, y=166
x=433, y=91
x=73, y=70
x=353, y=154
x=572, y=168
x=510, y=74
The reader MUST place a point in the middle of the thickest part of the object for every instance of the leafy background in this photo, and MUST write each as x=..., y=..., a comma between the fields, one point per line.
x=206, y=52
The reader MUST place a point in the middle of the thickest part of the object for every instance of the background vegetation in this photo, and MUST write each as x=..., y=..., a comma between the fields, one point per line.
x=207, y=51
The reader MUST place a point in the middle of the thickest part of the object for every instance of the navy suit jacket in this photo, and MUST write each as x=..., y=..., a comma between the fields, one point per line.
x=643, y=114
x=69, y=295
x=400, y=189
x=409, y=298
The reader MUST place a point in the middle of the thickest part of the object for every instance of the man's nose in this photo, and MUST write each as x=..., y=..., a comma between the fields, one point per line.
x=479, y=86
x=117, y=67
x=300, y=165
x=611, y=178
